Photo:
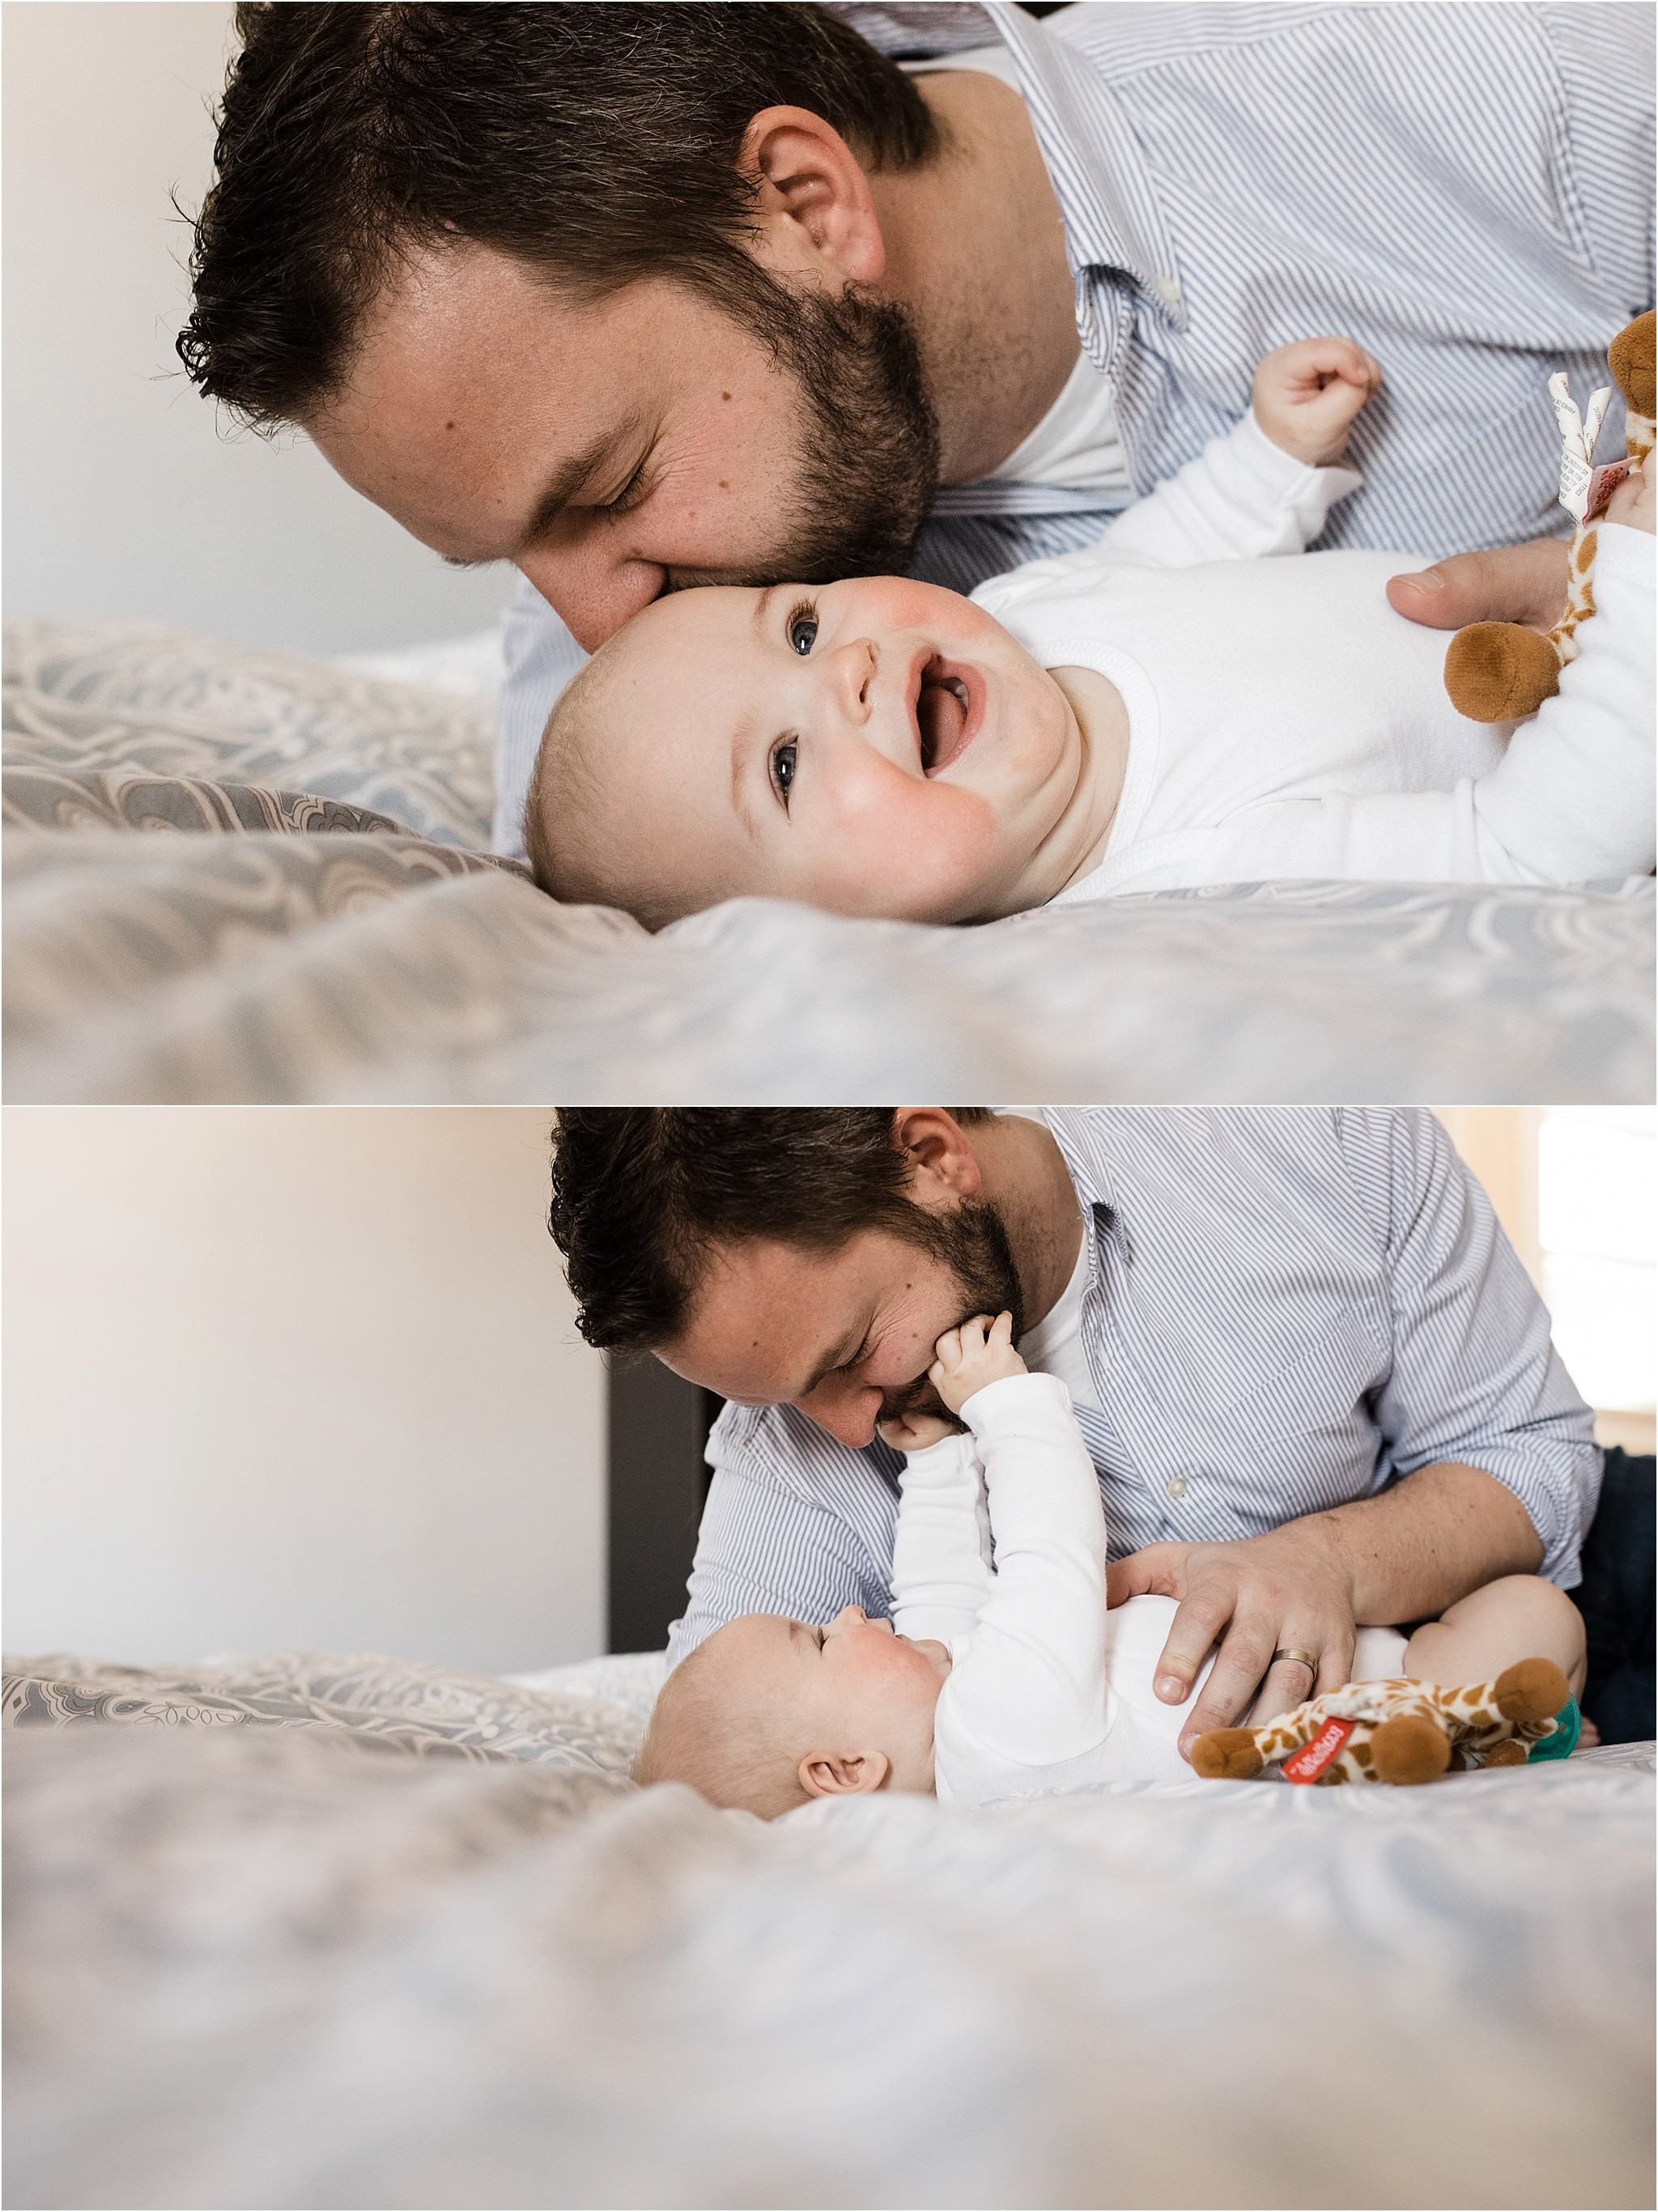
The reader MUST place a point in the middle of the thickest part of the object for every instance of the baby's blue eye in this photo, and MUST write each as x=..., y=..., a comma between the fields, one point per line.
x=783, y=762
x=801, y=628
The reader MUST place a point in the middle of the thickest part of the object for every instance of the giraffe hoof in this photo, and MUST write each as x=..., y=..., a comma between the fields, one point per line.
x=1500, y=671
x=1631, y=359
x=1226, y=1755
x=1533, y=1690
x=1410, y=1748
x=1508, y=1754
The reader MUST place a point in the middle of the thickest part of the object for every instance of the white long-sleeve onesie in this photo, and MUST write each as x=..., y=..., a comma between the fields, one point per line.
x=1284, y=722
x=1048, y=1691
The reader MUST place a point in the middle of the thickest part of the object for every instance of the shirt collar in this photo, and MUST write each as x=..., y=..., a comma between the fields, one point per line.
x=1106, y=203
x=1090, y=1179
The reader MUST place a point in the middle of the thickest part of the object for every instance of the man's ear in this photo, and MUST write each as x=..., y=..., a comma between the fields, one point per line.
x=822, y=1774
x=815, y=214
x=943, y=1165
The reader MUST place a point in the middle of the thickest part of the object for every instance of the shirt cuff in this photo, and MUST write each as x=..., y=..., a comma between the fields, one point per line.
x=1294, y=482
x=939, y=1462
x=982, y=1410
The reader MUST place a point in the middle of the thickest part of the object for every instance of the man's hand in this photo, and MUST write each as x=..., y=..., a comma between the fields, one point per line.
x=914, y=1433
x=1306, y=395
x=1287, y=1591
x=1513, y=583
x=979, y=1352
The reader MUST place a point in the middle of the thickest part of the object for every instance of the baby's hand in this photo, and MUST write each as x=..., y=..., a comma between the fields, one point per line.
x=914, y=1433
x=1632, y=502
x=1306, y=396
x=978, y=1352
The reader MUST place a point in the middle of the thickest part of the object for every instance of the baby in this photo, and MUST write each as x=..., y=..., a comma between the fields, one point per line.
x=1009, y=1679
x=1164, y=708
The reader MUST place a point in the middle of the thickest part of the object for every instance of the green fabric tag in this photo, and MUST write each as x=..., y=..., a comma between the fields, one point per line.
x=1568, y=1726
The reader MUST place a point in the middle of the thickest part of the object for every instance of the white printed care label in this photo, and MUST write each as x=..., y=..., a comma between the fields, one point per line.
x=1584, y=489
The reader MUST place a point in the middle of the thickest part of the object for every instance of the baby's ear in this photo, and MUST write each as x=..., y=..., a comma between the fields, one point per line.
x=822, y=1774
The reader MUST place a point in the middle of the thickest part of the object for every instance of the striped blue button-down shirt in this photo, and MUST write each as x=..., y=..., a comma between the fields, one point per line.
x=1465, y=189
x=1287, y=1309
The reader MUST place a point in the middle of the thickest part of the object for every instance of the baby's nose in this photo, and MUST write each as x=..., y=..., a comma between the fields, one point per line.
x=856, y=673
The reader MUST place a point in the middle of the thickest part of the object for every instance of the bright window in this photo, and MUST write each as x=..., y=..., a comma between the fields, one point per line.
x=1597, y=1228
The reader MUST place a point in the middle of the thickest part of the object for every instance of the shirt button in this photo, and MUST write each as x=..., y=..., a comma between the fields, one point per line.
x=1167, y=290
x=1175, y=1485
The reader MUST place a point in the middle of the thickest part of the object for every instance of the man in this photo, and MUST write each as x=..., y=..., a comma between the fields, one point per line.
x=1317, y=1384
x=643, y=297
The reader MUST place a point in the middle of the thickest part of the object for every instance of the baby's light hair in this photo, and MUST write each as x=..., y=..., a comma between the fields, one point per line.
x=724, y=1731
x=563, y=815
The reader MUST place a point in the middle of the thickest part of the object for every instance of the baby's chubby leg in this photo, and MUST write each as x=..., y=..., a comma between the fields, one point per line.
x=1521, y=1617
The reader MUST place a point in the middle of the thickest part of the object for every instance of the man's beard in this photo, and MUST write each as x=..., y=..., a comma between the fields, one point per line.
x=972, y=1243
x=868, y=438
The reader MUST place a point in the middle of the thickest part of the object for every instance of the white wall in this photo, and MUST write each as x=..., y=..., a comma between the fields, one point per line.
x=123, y=497
x=294, y=1377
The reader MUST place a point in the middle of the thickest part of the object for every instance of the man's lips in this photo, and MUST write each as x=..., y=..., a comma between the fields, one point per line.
x=947, y=707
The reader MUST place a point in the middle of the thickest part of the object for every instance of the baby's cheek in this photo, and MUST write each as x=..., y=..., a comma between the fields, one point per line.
x=950, y=852
x=905, y=602
x=899, y=847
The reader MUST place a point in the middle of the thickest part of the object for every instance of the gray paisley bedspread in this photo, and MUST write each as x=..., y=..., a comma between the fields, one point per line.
x=342, y=1932
x=308, y=915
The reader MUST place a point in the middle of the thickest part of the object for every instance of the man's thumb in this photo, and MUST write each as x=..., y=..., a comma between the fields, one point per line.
x=1514, y=584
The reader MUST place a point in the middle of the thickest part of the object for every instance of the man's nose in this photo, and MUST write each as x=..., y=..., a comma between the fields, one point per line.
x=592, y=592
x=849, y=1413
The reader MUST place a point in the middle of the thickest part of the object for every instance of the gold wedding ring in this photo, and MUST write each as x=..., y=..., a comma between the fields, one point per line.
x=1302, y=1659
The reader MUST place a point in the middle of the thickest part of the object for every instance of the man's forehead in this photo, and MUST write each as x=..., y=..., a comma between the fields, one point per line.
x=767, y=1313
x=472, y=381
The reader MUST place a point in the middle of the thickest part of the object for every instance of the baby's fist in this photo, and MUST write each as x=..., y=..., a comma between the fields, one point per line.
x=979, y=1352
x=914, y=1433
x=1306, y=396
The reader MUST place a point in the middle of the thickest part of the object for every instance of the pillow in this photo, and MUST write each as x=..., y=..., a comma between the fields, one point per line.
x=402, y=1705
x=93, y=699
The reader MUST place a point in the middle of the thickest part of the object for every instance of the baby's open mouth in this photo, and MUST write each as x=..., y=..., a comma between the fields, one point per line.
x=948, y=710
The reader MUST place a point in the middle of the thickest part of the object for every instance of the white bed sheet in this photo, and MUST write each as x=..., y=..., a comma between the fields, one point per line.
x=282, y=1970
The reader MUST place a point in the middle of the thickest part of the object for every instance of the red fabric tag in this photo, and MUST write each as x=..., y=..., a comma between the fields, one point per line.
x=1603, y=483
x=1310, y=1761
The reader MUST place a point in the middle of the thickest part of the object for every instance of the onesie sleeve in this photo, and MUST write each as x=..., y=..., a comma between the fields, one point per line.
x=1242, y=498
x=940, y=1575
x=1030, y=1688
x=1571, y=799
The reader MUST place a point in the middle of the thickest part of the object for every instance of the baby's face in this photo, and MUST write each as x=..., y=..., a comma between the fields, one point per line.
x=877, y=747
x=855, y=1683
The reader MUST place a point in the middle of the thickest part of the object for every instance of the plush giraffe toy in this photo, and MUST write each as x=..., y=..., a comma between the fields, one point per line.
x=1395, y=1731
x=1503, y=672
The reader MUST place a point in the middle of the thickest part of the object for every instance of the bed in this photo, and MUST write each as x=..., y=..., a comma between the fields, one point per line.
x=312, y=1931
x=238, y=875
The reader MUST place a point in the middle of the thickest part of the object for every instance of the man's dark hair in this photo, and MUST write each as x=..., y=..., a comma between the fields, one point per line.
x=643, y=1194
x=596, y=142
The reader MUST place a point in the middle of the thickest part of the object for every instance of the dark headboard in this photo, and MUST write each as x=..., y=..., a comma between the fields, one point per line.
x=659, y=1426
